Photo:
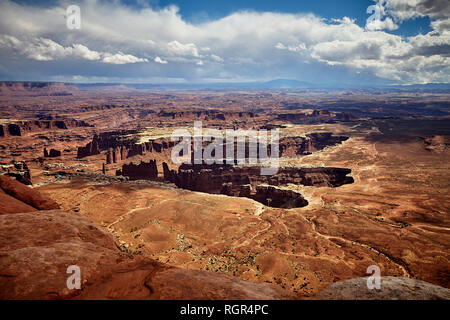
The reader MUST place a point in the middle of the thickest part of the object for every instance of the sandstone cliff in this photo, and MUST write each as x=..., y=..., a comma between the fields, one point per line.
x=247, y=181
x=19, y=128
x=147, y=171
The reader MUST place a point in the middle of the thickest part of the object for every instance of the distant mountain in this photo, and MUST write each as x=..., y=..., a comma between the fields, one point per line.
x=273, y=84
x=60, y=88
x=37, y=88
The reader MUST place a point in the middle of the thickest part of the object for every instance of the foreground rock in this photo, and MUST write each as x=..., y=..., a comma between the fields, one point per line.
x=37, y=248
x=392, y=288
x=17, y=197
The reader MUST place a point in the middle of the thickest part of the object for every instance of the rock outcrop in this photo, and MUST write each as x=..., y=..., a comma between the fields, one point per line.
x=248, y=181
x=278, y=198
x=119, y=148
x=37, y=248
x=437, y=143
x=317, y=116
x=52, y=154
x=37, y=88
x=89, y=150
x=206, y=115
x=19, y=128
x=18, y=170
x=17, y=197
x=391, y=288
x=142, y=171
x=295, y=146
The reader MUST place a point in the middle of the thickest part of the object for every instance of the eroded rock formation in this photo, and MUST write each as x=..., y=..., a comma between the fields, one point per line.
x=249, y=182
x=89, y=150
x=121, y=145
x=207, y=115
x=317, y=116
x=145, y=171
x=294, y=146
x=53, y=153
x=19, y=128
x=18, y=170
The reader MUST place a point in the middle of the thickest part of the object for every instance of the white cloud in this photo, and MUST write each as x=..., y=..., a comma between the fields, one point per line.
x=241, y=45
x=159, y=60
x=408, y=9
x=178, y=49
x=42, y=49
x=82, y=52
x=216, y=58
x=121, y=58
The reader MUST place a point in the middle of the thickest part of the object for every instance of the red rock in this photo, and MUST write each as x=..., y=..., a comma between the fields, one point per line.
x=54, y=153
x=148, y=171
x=9, y=204
x=37, y=248
x=89, y=150
x=235, y=181
x=19, y=128
x=27, y=195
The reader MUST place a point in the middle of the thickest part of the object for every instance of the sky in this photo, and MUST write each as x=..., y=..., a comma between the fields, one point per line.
x=354, y=42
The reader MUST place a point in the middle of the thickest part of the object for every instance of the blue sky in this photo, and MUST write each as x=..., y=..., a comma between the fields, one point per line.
x=328, y=42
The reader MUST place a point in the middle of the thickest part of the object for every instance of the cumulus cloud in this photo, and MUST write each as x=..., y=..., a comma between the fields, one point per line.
x=242, y=45
x=159, y=60
x=407, y=9
x=178, y=49
x=42, y=49
x=82, y=52
x=402, y=10
x=121, y=58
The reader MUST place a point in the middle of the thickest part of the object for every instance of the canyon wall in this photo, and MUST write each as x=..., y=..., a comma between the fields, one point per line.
x=248, y=181
x=142, y=171
x=19, y=128
x=317, y=116
x=120, y=147
x=206, y=115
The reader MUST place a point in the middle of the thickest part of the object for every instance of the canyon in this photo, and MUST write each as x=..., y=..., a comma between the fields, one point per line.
x=87, y=178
